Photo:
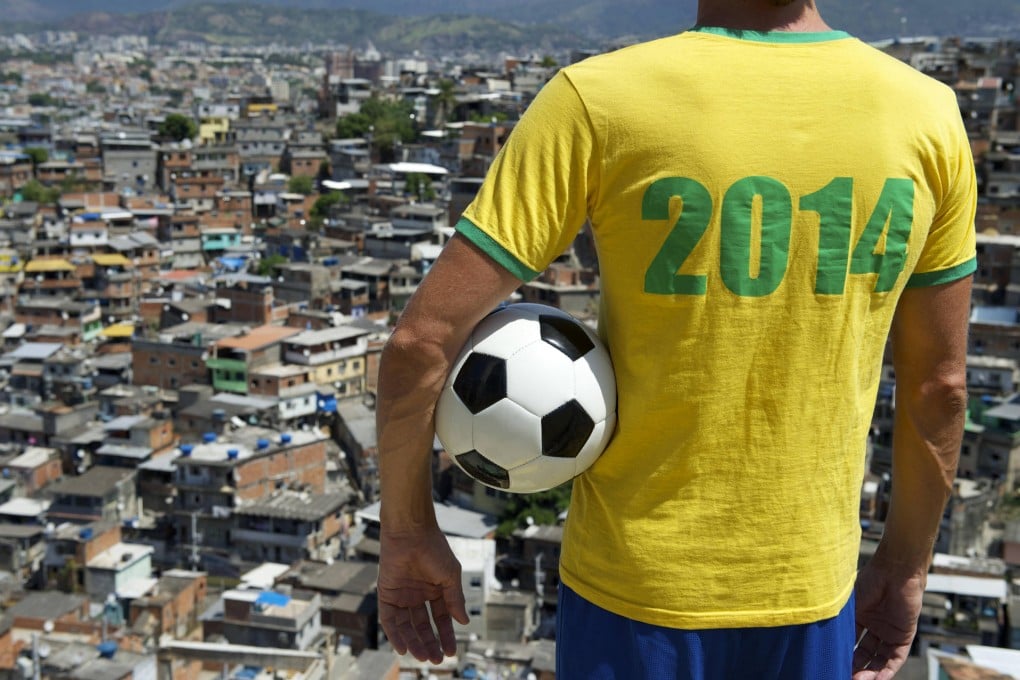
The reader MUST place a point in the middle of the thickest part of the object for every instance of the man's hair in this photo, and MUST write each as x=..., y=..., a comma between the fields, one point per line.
x=782, y=3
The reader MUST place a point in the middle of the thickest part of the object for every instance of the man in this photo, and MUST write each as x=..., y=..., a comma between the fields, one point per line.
x=771, y=199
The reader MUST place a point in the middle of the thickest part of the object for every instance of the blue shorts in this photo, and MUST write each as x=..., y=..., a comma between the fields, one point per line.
x=594, y=644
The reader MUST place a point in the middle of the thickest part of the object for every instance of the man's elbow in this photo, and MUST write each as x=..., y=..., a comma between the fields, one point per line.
x=936, y=410
x=946, y=393
x=411, y=357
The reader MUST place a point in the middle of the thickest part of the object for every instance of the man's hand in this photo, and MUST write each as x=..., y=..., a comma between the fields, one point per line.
x=418, y=573
x=888, y=606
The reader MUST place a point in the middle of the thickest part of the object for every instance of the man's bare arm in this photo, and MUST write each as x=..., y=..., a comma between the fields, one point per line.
x=929, y=338
x=419, y=576
x=930, y=359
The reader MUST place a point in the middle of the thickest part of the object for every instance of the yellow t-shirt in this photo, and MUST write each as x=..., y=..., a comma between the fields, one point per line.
x=759, y=201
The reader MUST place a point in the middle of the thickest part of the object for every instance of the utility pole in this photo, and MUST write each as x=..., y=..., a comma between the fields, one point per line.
x=539, y=588
x=196, y=538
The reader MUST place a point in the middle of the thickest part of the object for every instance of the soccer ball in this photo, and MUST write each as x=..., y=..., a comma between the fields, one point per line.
x=530, y=402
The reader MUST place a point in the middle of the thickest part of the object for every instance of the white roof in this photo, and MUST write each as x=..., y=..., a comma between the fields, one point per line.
x=967, y=585
x=136, y=587
x=35, y=350
x=264, y=576
x=34, y=456
x=1006, y=661
x=15, y=330
x=119, y=556
x=336, y=186
x=24, y=507
x=423, y=168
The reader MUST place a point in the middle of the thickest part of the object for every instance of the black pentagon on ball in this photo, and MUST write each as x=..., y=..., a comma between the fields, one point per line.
x=566, y=335
x=480, y=382
x=484, y=470
x=565, y=430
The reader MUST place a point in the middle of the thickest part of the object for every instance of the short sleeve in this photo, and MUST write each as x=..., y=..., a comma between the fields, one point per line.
x=534, y=199
x=949, y=252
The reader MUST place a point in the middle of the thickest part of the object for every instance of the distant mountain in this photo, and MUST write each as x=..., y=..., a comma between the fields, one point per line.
x=575, y=19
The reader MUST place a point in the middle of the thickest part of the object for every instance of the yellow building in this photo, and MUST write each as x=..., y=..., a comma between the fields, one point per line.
x=10, y=263
x=333, y=357
x=214, y=130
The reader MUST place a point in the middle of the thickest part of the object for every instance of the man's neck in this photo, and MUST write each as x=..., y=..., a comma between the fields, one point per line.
x=761, y=15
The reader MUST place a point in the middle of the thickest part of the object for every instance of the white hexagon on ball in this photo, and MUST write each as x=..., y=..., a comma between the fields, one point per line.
x=595, y=384
x=503, y=333
x=539, y=377
x=454, y=422
x=507, y=434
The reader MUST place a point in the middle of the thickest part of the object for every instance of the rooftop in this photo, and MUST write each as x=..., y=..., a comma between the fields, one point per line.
x=291, y=505
x=259, y=337
x=120, y=556
x=97, y=482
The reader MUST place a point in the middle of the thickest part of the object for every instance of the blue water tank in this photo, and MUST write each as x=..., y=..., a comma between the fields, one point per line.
x=186, y=449
x=232, y=454
x=209, y=437
x=262, y=444
x=285, y=438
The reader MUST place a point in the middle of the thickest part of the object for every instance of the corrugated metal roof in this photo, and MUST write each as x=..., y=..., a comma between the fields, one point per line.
x=35, y=351
x=51, y=265
x=110, y=260
x=259, y=337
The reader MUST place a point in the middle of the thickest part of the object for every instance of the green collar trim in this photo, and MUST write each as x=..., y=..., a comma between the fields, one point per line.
x=784, y=37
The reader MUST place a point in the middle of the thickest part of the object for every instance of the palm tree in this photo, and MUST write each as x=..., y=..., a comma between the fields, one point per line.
x=446, y=102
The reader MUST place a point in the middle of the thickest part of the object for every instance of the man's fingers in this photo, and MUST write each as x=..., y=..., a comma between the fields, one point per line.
x=424, y=645
x=410, y=632
x=441, y=614
x=453, y=598
x=389, y=618
x=875, y=659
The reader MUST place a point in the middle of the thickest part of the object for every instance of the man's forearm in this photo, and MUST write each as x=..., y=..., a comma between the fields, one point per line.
x=411, y=376
x=927, y=435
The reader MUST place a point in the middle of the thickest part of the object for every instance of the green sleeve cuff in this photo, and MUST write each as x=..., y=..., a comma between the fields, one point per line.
x=943, y=275
x=496, y=251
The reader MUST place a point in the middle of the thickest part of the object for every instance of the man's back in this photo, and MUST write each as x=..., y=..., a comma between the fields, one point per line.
x=759, y=202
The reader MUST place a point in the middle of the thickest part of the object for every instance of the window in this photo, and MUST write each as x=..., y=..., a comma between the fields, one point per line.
x=476, y=581
x=154, y=360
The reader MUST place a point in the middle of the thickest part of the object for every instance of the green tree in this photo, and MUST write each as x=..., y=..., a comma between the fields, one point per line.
x=491, y=117
x=37, y=154
x=353, y=125
x=325, y=172
x=42, y=99
x=548, y=61
x=267, y=265
x=95, y=87
x=323, y=204
x=445, y=102
x=178, y=127
x=387, y=122
x=299, y=184
x=543, y=507
x=37, y=192
x=420, y=185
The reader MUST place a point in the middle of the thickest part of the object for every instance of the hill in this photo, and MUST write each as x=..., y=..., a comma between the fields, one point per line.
x=474, y=24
